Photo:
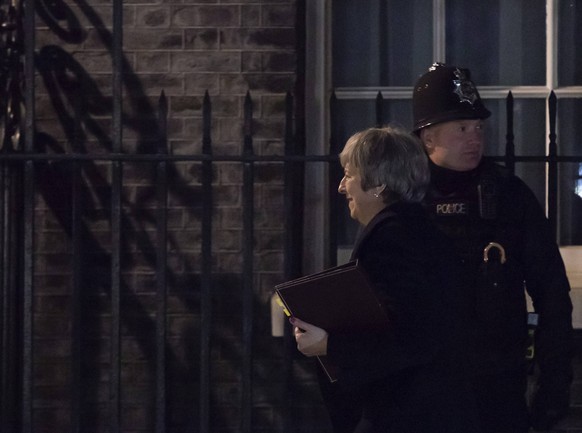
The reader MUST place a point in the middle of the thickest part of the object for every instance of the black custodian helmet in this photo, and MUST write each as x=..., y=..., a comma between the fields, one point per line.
x=445, y=93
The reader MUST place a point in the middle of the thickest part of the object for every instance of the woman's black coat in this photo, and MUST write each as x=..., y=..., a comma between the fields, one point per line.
x=414, y=378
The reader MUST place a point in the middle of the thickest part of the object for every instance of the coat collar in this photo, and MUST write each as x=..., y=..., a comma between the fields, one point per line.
x=388, y=212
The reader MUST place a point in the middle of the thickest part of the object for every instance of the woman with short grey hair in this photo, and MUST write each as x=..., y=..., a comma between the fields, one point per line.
x=411, y=378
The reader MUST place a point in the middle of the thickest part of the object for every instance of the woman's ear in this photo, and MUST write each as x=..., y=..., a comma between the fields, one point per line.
x=379, y=190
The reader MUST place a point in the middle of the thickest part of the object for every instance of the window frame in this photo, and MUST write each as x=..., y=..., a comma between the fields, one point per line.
x=319, y=87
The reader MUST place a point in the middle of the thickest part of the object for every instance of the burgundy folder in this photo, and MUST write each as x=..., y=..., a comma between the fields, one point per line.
x=339, y=300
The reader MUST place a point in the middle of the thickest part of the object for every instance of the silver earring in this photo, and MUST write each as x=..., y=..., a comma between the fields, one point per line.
x=376, y=195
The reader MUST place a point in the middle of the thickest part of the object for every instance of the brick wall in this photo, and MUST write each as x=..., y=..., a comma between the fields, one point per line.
x=183, y=48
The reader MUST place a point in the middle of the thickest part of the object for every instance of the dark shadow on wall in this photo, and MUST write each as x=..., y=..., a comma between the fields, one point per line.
x=82, y=110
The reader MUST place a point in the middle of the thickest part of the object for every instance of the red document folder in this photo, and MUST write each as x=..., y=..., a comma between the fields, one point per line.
x=339, y=300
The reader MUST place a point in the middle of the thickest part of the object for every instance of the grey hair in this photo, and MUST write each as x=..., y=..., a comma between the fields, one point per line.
x=389, y=156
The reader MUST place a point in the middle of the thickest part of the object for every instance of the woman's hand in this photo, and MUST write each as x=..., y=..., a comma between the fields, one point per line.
x=311, y=340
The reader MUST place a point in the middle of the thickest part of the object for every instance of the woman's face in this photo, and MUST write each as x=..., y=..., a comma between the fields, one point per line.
x=364, y=205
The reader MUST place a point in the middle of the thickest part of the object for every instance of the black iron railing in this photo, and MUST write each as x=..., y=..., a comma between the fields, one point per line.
x=20, y=161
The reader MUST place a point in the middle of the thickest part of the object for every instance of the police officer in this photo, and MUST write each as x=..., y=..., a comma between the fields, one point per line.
x=500, y=232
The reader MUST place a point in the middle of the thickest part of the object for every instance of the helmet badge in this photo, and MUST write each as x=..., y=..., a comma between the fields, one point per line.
x=464, y=88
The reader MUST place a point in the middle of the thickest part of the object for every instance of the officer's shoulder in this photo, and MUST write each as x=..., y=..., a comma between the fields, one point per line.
x=492, y=168
x=499, y=173
x=509, y=183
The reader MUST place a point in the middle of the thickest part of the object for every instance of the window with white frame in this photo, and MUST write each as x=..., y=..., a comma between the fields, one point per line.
x=531, y=48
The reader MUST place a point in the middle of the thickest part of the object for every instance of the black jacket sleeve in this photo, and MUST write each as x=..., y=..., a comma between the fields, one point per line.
x=548, y=286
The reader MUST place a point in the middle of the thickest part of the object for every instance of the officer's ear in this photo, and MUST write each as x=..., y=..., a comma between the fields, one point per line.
x=427, y=138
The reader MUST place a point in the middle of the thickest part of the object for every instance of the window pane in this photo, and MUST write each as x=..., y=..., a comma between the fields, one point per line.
x=534, y=175
x=495, y=128
x=569, y=127
x=569, y=37
x=501, y=41
x=570, y=176
x=380, y=42
x=529, y=127
x=353, y=115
